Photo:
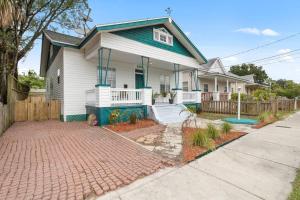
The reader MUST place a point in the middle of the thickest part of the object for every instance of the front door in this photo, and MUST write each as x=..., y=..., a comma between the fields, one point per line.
x=139, y=79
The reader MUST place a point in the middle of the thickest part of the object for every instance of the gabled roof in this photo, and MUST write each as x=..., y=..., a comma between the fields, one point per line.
x=61, y=38
x=76, y=42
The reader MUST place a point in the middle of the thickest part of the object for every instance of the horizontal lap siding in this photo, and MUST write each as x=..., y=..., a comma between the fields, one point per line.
x=126, y=45
x=57, y=91
x=80, y=75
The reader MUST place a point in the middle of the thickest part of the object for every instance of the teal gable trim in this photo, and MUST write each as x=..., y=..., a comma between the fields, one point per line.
x=117, y=26
x=80, y=117
x=145, y=36
x=103, y=113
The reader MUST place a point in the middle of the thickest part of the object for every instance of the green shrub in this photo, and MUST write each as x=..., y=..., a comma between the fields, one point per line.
x=264, y=117
x=202, y=140
x=114, y=116
x=234, y=97
x=226, y=127
x=212, y=132
x=133, y=118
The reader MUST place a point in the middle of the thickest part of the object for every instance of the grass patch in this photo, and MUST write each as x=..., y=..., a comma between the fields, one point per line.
x=295, y=195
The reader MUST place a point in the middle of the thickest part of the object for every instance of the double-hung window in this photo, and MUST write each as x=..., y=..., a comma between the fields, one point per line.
x=111, y=76
x=205, y=89
x=164, y=84
x=163, y=36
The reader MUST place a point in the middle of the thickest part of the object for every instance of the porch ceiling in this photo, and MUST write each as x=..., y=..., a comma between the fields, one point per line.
x=119, y=56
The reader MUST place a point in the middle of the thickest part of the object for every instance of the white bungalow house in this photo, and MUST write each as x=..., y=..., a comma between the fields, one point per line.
x=119, y=66
x=216, y=83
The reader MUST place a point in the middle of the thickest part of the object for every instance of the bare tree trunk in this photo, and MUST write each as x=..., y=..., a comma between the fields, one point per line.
x=3, y=63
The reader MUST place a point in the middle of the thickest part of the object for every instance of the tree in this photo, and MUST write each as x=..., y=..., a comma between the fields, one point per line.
x=286, y=88
x=260, y=75
x=28, y=20
x=32, y=80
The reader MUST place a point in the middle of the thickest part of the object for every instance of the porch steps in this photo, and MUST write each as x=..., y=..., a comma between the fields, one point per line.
x=170, y=113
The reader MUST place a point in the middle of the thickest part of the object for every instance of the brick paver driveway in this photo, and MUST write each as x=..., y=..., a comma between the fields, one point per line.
x=55, y=160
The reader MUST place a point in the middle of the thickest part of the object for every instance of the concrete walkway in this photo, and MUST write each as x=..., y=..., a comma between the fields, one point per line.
x=261, y=165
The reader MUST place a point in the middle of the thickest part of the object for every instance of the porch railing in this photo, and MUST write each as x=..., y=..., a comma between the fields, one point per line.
x=188, y=96
x=126, y=96
x=206, y=96
x=90, y=97
x=224, y=96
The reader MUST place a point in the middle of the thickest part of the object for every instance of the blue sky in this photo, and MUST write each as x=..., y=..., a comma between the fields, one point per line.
x=217, y=28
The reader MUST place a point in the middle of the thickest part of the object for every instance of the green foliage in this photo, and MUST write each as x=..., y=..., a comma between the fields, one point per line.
x=114, y=116
x=226, y=127
x=264, y=117
x=260, y=75
x=234, y=97
x=133, y=118
x=295, y=194
x=263, y=95
x=201, y=139
x=155, y=95
x=32, y=80
x=212, y=132
x=286, y=88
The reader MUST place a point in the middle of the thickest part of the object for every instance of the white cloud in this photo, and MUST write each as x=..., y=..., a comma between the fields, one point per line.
x=285, y=57
x=230, y=60
x=269, y=32
x=187, y=33
x=256, y=31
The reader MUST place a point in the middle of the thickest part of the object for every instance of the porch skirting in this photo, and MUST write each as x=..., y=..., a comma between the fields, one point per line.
x=102, y=113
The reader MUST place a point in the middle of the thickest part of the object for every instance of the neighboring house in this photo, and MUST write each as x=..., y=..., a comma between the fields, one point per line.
x=119, y=66
x=216, y=83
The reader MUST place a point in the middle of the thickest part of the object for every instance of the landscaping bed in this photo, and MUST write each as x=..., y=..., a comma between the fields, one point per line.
x=191, y=151
x=126, y=126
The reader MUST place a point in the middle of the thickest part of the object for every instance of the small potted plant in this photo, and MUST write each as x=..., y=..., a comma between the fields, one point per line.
x=172, y=97
x=154, y=96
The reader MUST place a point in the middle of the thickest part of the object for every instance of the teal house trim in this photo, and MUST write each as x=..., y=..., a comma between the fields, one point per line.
x=79, y=117
x=145, y=36
x=103, y=113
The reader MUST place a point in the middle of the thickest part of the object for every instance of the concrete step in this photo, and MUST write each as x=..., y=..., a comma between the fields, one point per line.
x=170, y=113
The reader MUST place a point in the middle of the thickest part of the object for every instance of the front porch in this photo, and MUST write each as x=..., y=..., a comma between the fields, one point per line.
x=133, y=83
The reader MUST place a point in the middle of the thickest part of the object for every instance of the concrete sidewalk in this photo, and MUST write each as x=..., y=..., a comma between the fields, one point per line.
x=261, y=165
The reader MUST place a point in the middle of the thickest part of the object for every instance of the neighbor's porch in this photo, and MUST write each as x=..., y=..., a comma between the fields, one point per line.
x=218, y=87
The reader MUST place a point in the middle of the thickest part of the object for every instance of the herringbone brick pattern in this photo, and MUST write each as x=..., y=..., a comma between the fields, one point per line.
x=55, y=160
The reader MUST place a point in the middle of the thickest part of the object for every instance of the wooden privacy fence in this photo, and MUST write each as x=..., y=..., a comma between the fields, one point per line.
x=248, y=108
x=36, y=109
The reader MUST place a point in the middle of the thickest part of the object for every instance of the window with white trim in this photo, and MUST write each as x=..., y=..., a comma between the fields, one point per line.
x=205, y=87
x=163, y=36
x=164, y=84
x=111, y=76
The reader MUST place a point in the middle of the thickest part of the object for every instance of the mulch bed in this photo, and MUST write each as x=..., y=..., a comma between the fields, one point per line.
x=264, y=123
x=191, y=152
x=126, y=126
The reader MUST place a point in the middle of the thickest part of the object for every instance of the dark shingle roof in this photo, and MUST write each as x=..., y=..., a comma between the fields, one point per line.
x=63, y=38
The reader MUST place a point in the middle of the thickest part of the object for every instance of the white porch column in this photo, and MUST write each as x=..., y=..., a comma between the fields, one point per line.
x=228, y=90
x=236, y=87
x=216, y=94
x=103, y=96
x=179, y=96
x=198, y=96
x=227, y=86
x=147, y=96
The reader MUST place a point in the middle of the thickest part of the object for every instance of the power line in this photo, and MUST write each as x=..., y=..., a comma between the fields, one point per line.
x=261, y=46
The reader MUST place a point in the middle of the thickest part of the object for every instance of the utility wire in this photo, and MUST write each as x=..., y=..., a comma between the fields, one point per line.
x=261, y=46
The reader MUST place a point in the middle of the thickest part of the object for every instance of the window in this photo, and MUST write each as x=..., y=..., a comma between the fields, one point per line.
x=185, y=86
x=164, y=84
x=111, y=76
x=58, y=76
x=225, y=89
x=163, y=36
x=205, y=89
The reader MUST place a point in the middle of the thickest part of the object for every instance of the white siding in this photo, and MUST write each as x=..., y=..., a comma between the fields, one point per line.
x=126, y=45
x=80, y=75
x=55, y=90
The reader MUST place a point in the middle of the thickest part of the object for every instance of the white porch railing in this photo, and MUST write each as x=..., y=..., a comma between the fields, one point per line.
x=126, y=96
x=189, y=96
x=90, y=97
